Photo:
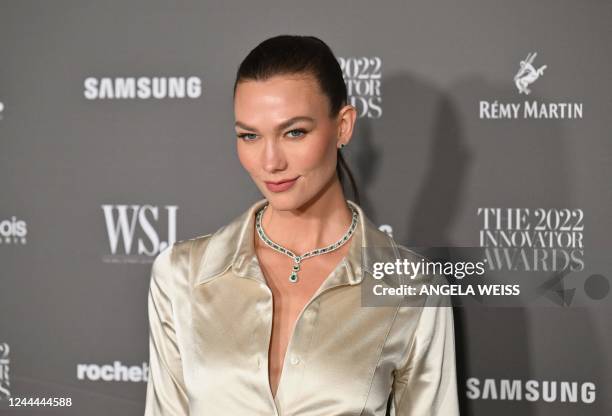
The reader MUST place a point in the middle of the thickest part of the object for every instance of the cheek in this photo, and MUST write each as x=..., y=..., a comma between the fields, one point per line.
x=246, y=157
x=319, y=156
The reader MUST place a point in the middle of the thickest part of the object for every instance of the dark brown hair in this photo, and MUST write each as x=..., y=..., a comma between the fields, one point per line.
x=294, y=54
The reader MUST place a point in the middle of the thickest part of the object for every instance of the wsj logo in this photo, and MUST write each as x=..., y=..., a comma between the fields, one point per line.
x=137, y=227
x=5, y=382
x=13, y=231
x=142, y=88
x=527, y=74
x=362, y=77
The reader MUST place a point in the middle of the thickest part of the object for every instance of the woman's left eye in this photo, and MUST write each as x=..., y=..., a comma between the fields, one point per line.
x=299, y=131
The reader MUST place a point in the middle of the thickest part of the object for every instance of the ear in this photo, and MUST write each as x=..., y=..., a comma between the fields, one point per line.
x=347, y=117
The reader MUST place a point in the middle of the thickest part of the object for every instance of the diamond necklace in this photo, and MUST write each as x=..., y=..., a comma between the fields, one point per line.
x=293, y=277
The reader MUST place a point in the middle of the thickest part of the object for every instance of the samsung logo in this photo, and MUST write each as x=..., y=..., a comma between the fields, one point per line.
x=550, y=391
x=141, y=88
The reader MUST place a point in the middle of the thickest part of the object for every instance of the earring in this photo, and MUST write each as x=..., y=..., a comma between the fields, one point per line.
x=342, y=145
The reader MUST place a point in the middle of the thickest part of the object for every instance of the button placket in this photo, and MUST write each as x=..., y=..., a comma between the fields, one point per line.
x=260, y=307
x=293, y=370
x=264, y=308
x=297, y=350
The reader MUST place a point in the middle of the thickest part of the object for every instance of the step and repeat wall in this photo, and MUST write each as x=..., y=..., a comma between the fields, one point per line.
x=481, y=123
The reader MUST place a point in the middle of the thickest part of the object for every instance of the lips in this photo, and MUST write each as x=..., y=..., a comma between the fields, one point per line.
x=282, y=185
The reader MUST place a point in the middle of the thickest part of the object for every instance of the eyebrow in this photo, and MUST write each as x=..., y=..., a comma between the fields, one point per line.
x=281, y=126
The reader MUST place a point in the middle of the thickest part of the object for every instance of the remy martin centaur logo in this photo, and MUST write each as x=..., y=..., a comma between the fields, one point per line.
x=526, y=75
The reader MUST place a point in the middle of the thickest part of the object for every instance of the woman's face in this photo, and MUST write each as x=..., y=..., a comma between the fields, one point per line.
x=285, y=135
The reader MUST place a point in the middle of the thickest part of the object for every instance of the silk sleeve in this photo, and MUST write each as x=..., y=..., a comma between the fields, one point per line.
x=166, y=394
x=426, y=385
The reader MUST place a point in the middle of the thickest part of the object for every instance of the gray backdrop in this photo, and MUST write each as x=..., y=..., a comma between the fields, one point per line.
x=96, y=177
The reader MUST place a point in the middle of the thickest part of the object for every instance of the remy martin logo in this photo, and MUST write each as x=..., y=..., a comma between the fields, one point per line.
x=529, y=109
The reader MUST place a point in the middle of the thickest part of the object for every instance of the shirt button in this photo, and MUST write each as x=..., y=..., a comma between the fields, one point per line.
x=295, y=360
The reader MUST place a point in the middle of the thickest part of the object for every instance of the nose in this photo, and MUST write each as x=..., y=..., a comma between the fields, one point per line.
x=273, y=156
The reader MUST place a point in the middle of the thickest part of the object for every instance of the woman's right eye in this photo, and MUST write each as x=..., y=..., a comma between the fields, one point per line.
x=247, y=136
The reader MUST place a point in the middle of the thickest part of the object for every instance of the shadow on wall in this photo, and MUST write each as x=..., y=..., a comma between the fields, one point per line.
x=421, y=149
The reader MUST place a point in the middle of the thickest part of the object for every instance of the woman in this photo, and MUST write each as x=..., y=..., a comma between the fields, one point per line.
x=264, y=316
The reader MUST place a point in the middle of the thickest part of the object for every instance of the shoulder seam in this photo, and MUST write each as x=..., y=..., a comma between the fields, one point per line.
x=194, y=263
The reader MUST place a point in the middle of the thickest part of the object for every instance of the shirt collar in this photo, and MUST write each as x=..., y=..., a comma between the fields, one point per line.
x=232, y=246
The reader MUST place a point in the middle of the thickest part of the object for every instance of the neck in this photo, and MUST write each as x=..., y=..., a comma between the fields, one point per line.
x=318, y=223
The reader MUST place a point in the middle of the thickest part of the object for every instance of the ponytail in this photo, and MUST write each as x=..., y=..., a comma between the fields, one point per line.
x=344, y=172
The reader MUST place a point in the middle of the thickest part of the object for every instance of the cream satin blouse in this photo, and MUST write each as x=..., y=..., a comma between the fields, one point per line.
x=210, y=315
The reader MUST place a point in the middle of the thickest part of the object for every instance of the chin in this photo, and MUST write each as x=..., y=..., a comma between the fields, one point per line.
x=285, y=201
